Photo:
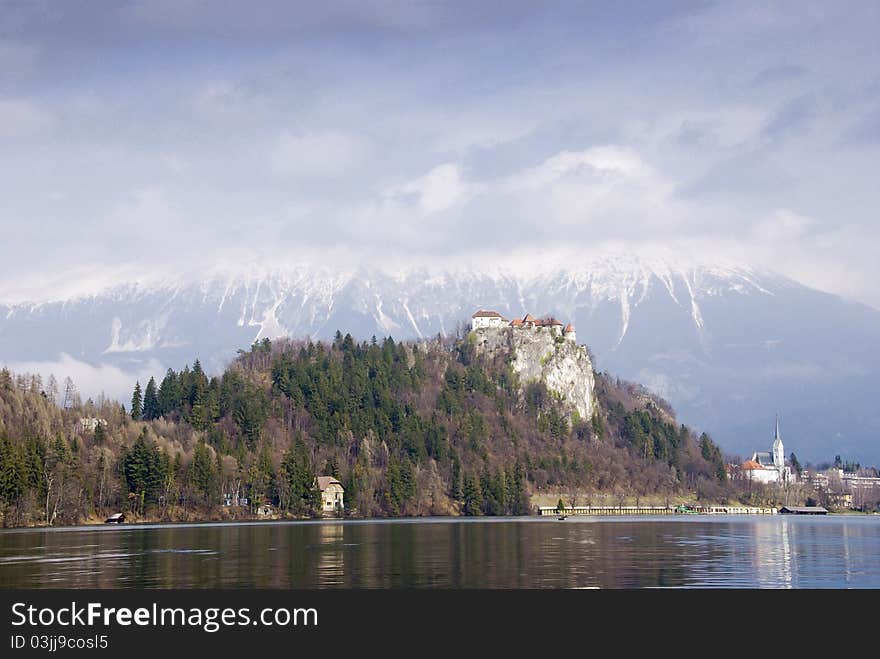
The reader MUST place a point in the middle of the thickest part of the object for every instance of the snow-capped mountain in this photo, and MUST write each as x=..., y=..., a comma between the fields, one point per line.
x=728, y=346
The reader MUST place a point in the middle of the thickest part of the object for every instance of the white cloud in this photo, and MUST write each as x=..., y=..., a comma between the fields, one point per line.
x=783, y=225
x=480, y=135
x=92, y=380
x=605, y=165
x=438, y=190
x=316, y=154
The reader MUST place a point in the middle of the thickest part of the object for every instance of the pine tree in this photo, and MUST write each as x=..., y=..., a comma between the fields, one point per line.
x=202, y=474
x=137, y=406
x=169, y=394
x=331, y=467
x=472, y=496
x=519, y=501
x=455, y=480
x=142, y=470
x=151, y=401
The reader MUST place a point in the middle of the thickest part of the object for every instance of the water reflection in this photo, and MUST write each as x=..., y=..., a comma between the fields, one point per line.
x=331, y=560
x=778, y=552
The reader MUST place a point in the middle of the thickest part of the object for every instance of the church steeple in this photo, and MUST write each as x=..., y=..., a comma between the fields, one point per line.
x=778, y=450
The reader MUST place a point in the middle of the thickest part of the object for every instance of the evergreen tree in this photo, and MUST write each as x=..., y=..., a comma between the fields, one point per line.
x=519, y=501
x=455, y=479
x=142, y=469
x=12, y=473
x=300, y=479
x=598, y=425
x=137, y=402
x=151, y=408
x=331, y=467
x=795, y=464
x=202, y=474
x=471, y=496
x=169, y=394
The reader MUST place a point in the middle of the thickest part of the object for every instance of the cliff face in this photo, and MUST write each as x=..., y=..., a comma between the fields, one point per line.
x=539, y=355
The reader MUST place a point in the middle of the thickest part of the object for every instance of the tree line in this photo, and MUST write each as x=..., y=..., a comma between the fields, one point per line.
x=408, y=428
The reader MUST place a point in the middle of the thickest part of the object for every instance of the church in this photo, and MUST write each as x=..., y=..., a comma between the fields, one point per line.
x=769, y=467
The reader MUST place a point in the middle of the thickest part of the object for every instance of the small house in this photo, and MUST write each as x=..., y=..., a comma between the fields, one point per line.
x=331, y=495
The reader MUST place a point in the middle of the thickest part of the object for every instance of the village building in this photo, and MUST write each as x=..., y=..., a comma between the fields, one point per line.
x=331, y=495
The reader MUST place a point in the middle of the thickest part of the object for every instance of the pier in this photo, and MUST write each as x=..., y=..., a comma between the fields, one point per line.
x=583, y=511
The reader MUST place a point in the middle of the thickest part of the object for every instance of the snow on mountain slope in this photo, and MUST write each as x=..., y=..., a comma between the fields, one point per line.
x=727, y=345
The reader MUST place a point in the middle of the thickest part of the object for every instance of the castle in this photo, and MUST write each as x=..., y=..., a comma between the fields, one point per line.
x=539, y=350
x=492, y=319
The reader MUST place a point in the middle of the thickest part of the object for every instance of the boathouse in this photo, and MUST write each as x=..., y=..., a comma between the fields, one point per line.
x=802, y=510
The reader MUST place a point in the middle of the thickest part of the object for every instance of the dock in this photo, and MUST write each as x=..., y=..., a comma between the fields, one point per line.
x=585, y=511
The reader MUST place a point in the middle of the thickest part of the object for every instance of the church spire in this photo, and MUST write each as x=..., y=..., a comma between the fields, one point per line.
x=778, y=450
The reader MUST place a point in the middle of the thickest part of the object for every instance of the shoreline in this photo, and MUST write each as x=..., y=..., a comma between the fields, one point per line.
x=426, y=519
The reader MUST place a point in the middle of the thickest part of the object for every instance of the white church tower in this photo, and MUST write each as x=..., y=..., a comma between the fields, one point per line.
x=778, y=452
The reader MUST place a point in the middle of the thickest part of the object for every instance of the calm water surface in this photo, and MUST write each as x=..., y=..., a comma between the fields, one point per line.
x=729, y=551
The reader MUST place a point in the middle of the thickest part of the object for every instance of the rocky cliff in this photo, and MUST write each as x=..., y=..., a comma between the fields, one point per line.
x=538, y=354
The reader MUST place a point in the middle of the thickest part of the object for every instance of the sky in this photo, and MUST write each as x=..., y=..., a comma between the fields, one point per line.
x=142, y=139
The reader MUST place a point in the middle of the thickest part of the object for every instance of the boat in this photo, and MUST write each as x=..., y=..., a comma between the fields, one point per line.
x=117, y=518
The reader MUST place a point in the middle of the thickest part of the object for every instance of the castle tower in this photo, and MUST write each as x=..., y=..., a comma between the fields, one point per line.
x=778, y=450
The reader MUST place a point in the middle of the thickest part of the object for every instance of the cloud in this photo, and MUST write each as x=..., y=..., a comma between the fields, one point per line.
x=782, y=226
x=92, y=380
x=438, y=190
x=425, y=132
x=316, y=154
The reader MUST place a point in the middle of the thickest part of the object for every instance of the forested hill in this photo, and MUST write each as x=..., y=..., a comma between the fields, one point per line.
x=424, y=428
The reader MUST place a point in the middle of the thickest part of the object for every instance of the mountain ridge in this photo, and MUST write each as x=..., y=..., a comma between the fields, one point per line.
x=724, y=343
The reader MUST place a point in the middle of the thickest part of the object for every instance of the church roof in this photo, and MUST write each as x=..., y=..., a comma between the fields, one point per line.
x=763, y=458
x=748, y=465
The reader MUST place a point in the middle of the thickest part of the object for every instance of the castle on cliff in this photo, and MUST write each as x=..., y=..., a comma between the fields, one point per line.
x=492, y=319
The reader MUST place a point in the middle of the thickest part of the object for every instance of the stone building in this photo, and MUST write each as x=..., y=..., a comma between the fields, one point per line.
x=332, y=494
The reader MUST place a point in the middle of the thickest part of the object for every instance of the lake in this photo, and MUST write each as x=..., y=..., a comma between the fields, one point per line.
x=608, y=552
